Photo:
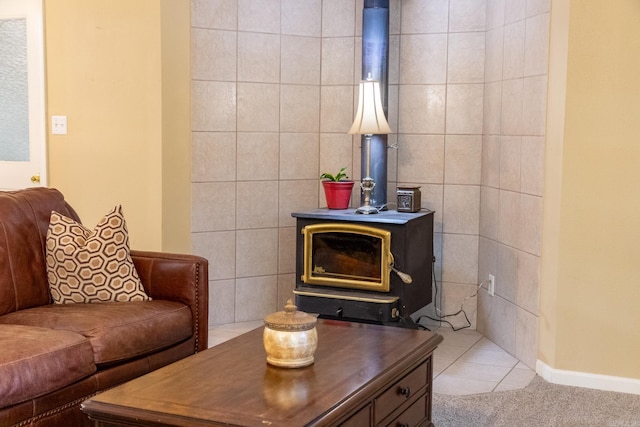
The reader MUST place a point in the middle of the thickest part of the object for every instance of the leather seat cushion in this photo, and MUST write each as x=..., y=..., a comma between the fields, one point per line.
x=35, y=361
x=117, y=331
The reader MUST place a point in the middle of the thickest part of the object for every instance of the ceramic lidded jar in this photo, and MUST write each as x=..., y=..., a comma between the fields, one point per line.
x=290, y=337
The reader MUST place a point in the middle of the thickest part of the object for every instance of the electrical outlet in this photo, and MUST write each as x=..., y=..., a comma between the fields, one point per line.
x=492, y=285
x=59, y=125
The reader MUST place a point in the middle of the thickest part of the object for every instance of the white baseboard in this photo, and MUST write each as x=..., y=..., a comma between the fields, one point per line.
x=587, y=380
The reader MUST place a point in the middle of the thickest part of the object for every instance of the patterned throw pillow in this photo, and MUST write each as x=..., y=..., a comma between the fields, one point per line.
x=91, y=265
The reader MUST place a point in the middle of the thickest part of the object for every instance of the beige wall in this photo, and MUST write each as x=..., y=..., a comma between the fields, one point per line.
x=590, y=270
x=108, y=71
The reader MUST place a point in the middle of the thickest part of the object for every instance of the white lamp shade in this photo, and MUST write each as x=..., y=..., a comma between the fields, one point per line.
x=370, y=119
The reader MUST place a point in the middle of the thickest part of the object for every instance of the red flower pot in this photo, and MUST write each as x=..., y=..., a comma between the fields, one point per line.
x=337, y=194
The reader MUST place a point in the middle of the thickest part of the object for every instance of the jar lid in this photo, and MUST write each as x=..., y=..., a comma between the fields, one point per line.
x=290, y=319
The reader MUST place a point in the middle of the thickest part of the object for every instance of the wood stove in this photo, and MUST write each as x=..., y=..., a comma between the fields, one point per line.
x=370, y=268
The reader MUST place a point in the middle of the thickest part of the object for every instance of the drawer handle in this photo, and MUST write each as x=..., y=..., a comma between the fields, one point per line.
x=403, y=424
x=405, y=391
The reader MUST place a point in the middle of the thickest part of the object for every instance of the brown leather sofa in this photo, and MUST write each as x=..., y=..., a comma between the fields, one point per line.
x=54, y=356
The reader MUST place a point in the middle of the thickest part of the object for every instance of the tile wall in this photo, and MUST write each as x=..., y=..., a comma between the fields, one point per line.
x=273, y=85
x=512, y=172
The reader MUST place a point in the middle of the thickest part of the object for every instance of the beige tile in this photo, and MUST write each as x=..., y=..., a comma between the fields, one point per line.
x=221, y=305
x=296, y=196
x=506, y=284
x=256, y=297
x=213, y=156
x=534, y=109
x=456, y=386
x=459, y=258
x=515, y=10
x=338, y=18
x=252, y=194
x=287, y=250
x=495, y=13
x=422, y=109
x=336, y=108
x=536, y=54
x=492, y=108
x=392, y=111
x=532, y=165
x=463, y=157
x=487, y=258
x=449, y=353
x=497, y=320
x=299, y=108
x=439, y=366
x=513, y=61
x=299, y=156
x=531, y=224
x=464, y=108
x=490, y=357
x=217, y=14
x=489, y=199
x=467, y=15
x=301, y=17
x=420, y=17
x=493, y=55
x=464, y=338
x=461, y=209
x=491, y=161
x=214, y=205
x=516, y=379
x=535, y=7
x=512, y=102
x=213, y=106
x=510, y=154
x=337, y=61
x=258, y=107
x=300, y=60
x=395, y=13
x=286, y=285
x=527, y=337
x=394, y=60
x=454, y=297
x=256, y=253
x=477, y=371
x=213, y=55
x=423, y=59
x=258, y=57
x=432, y=199
x=238, y=328
x=466, y=58
x=220, y=249
x=421, y=158
x=258, y=156
x=259, y=15
x=486, y=344
x=335, y=153
x=528, y=296
x=509, y=224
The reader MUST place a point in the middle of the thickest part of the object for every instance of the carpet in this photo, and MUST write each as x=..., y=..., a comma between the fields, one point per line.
x=539, y=404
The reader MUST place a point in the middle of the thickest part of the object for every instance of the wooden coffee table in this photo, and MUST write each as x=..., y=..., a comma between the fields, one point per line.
x=362, y=375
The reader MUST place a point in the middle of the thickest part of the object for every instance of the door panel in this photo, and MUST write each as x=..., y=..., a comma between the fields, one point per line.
x=22, y=111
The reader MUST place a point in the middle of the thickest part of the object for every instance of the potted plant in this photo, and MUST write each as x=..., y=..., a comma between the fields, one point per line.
x=337, y=189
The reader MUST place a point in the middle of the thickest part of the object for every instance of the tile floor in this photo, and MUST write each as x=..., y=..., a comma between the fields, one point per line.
x=464, y=363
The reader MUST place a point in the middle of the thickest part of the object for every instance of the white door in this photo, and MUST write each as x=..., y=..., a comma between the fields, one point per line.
x=22, y=108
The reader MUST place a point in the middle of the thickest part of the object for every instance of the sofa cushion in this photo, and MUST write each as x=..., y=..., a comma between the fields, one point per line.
x=117, y=331
x=35, y=361
x=91, y=265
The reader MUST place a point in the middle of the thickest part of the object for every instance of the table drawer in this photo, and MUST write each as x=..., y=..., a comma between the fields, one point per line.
x=413, y=416
x=407, y=387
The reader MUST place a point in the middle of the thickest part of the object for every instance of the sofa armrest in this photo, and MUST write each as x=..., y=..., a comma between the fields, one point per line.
x=182, y=278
